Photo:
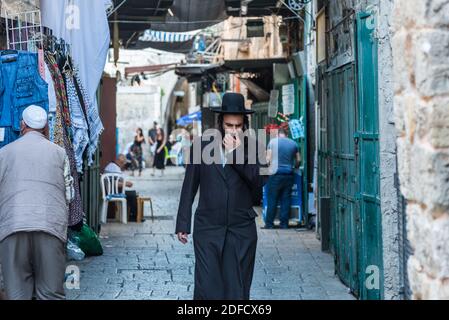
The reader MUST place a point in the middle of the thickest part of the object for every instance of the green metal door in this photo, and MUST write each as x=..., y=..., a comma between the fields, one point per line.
x=344, y=218
x=324, y=182
x=91, y=193
x=301, y=113
x=367, y=139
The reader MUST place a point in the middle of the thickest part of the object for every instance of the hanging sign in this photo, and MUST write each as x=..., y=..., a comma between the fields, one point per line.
x=296, y=128
x=273, y=106
x=288, y=98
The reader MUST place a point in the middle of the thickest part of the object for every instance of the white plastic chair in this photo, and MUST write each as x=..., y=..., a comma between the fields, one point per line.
x=113, y=193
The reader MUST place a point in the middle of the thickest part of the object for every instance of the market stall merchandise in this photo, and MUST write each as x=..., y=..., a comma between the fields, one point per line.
x=58, y=69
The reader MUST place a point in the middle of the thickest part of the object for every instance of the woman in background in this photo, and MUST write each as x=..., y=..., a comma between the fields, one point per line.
x=137, y=149
x=159, y=159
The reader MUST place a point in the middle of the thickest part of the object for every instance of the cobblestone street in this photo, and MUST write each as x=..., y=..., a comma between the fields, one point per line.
x=145, y=261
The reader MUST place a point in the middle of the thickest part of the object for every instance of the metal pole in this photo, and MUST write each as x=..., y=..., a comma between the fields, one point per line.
x=116, y=8
x=7, y=29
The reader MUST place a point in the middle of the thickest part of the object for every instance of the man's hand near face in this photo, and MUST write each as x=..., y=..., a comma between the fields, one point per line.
x=231, y=142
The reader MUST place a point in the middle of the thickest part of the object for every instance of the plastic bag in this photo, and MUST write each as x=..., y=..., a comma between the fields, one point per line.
x=88, y=241
x=74, y=252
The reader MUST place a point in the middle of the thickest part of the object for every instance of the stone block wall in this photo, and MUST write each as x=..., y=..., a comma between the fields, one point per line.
x=421, y=69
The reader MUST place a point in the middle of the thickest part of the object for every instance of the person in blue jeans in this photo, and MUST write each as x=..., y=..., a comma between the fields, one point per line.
x=283, y=156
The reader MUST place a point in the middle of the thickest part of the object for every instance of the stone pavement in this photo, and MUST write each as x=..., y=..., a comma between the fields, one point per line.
x=145, y=261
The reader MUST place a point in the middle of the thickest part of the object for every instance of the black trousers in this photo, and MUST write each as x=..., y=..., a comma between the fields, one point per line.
x=131, y=199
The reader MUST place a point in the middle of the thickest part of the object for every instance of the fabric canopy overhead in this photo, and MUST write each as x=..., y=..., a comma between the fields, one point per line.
x=175, y=47
x=176, y=42
x=136, y=16
x=191, y=15
x=161, y=36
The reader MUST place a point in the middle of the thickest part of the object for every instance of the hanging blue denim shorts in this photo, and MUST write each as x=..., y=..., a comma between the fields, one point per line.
x=20, y=86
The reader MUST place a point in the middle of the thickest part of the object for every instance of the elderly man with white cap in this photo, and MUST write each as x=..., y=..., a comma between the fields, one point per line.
x=35, y=190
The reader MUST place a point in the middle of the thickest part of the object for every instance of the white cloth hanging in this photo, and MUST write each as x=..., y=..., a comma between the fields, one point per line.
x=84, y=25
x=51, y=90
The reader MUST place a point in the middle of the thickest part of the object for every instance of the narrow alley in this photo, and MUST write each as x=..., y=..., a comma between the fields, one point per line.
x=313, y=134
x=146, y=261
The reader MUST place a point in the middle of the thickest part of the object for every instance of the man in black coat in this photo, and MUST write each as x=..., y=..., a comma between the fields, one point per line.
x=225, y=234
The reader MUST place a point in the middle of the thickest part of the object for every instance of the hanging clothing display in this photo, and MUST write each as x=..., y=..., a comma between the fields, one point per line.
x=86, y=29
x=59, y=87
x=61, y=133
x=76, y=213
x=21, y=85
x=64, y=82
x=51, y=90
x=79, y=127
x=93, y=120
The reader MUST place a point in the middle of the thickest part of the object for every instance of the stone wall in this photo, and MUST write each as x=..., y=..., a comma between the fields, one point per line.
x=391, y=214
x=421, y=63
x=137, y=107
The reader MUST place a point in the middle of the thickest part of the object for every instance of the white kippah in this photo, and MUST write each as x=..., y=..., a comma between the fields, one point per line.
x=35, y=117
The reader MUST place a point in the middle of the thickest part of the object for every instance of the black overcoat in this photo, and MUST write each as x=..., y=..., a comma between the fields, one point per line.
x=225, y=234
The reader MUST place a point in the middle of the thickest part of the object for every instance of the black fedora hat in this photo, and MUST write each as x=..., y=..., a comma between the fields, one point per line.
x=233, y=103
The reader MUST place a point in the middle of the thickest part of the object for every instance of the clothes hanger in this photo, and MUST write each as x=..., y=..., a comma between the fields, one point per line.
x=12, y=53
x=53, y=44
x=67, y=66
x=8, y=52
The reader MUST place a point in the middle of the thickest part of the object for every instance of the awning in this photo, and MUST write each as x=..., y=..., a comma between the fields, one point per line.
x=174, y=47
x=191, y=15
x=136, y=16
x=186, y=70
x=188, y=119
x=177, y=42
x=171, y=42
x=162, y=36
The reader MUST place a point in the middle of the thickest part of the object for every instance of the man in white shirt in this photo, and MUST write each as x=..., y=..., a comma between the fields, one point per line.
x=35, y=190
x=117, y=167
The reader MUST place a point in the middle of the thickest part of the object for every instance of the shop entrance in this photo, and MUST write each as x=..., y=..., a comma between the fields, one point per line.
x=343, y=172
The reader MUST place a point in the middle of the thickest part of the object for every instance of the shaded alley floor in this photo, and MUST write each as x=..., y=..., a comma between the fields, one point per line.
x=145, y=261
